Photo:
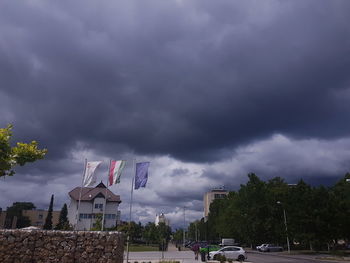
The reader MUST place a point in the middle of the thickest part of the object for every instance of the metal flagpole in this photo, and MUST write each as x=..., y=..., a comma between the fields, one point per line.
x=131, y=196
x=81, y=189
x=104, y=208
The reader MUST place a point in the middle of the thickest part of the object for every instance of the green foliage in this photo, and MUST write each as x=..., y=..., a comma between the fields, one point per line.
x=98, y=223
x=63, y=223
x=16, y=211
x=20, y=154
x=316, y=216
x=48, y=220
x=220, y=258
x=178, y=236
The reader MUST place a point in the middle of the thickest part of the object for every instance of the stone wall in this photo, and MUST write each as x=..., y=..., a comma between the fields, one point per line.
x=40, y=246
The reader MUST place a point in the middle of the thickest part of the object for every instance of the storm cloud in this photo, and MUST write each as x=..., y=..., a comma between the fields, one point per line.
x=208, y=91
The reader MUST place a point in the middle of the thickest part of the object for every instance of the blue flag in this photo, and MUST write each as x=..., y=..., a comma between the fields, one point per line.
x=141, y=174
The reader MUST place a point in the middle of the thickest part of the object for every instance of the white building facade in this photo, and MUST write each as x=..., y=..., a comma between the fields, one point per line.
x=161, y=219
x=93, y=204
x=209, y=197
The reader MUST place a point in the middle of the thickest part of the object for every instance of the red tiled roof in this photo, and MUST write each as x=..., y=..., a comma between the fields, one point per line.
x=89, y=193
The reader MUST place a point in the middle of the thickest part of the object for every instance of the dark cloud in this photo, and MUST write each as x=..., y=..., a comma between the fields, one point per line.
x=192, y=80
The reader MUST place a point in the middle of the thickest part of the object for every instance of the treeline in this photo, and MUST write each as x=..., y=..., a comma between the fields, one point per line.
x=317, y=217
x=148, y=234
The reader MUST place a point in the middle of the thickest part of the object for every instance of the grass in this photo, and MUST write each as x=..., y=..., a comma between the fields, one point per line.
x=142, y=248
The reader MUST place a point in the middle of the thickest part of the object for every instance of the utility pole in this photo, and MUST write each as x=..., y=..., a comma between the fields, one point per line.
x=285, y=224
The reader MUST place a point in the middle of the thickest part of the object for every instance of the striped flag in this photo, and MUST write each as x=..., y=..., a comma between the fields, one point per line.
x=115, y=171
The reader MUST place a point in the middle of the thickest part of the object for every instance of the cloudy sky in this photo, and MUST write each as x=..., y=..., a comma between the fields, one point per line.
x=207, y=91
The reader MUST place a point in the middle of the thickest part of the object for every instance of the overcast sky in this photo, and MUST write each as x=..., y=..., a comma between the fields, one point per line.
x=207, y=91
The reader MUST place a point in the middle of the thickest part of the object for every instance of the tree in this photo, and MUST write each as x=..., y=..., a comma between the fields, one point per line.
x=16, y=211
x=20, y=154
x=63, y=223
x=150, y=234
x=48, y=220
x=98, y=223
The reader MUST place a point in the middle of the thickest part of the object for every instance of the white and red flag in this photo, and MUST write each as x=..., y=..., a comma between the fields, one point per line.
x=89, y=176
x=115, y=171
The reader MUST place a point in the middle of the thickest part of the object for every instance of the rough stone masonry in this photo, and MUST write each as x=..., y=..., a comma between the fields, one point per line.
x=40, y=246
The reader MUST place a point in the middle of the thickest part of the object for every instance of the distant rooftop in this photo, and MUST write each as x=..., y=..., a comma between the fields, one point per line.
x=219, y=189
x=90, y=193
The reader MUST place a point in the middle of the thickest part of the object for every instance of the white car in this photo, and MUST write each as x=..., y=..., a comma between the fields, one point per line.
x=231, y=252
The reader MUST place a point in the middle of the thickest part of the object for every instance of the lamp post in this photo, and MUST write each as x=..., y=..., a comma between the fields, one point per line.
x=285, y=224
x=184, y=227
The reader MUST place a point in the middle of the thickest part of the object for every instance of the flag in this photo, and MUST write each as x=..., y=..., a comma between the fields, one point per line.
x=89, y=176
x=141, y=174
x=115, y=171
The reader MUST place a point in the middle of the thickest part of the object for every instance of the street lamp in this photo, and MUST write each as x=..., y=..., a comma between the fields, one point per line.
x=285, y=224
x=184, y=227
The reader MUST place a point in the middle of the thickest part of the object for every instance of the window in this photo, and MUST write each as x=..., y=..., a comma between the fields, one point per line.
x=40, y=216
x=84, y=216
x=97, y=206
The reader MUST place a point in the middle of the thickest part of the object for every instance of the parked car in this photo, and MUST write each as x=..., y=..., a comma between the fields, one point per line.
x=231, y=252
x=211, y=248
x=271, y=248
x=259, y=248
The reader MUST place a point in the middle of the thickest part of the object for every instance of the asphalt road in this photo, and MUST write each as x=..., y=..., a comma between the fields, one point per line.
x=188, y=257
x=275, y=257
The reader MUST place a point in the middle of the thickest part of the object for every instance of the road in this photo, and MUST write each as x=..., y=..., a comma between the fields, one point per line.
x=188, y=257
x=277, y=258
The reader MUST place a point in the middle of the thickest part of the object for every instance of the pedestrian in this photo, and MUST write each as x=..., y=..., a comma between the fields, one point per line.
x=195, y=249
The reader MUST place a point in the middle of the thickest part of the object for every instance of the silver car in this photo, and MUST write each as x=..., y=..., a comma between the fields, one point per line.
x=230, y=252
x=260, y=247
x=271, y=248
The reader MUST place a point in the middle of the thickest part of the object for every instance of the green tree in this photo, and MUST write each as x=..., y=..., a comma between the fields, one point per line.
x=16, y=211
x=20, y=154
x=98, y=223
x=48, y=220
x=63, y=223
x=178, y=236
x=150, y=234
x=133, y=229
x=340, y=196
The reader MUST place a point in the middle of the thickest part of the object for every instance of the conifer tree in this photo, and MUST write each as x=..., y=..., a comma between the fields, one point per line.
x=48, y=221
x=63, y=223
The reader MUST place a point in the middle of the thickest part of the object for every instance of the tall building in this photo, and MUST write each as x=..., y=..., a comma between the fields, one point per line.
x=161, y=219
x=93, y=203
x=209, y=197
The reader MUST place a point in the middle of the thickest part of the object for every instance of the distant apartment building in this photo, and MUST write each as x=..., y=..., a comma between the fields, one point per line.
x=37, y=217
x=161, y=219
x=209, y=197
x=2, y=218
x=92, y=204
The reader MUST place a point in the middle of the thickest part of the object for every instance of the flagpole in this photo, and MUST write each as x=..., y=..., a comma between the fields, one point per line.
x=131, y=197
x=104, y=208
x=81, y=189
